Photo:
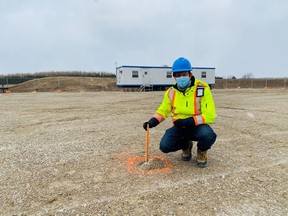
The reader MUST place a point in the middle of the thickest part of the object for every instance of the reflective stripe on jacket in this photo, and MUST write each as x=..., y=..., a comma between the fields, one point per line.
x=182, y=105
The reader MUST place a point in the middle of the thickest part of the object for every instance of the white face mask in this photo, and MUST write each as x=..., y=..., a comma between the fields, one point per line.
x=183, y=82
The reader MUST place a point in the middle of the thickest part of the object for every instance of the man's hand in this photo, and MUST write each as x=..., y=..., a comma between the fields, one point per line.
x=188, y=123
x=145, y=125
x=152, y=123
x=179, y=123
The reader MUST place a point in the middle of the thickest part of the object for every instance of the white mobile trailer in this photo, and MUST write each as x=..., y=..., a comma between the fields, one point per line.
x=137, y=76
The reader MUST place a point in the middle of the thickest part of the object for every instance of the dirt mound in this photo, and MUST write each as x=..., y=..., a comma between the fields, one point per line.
x=67, y=84
x=154, y=163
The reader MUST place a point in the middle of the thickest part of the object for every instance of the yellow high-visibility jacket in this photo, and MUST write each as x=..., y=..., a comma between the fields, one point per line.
x=196, y=102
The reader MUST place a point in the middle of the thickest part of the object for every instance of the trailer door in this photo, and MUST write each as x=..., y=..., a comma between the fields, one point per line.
x=146, y=78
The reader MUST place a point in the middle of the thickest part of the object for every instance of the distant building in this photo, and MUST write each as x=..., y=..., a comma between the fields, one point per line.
x=157, y=77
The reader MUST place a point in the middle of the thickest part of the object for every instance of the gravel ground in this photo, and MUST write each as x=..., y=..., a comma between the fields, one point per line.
x=67, y=153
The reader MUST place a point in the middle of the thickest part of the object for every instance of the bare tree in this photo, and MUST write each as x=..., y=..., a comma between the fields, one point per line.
x=231, y=77
x=248, y=76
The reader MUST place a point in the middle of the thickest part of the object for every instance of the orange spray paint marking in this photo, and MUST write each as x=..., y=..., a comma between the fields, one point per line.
x=136, y=164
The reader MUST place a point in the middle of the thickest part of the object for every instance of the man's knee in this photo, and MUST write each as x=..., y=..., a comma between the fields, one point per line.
x=164, y=148
x=212, y=137
x=206, y=142
x=207, y=134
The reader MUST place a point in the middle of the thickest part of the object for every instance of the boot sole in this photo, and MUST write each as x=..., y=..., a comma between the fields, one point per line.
x=202, y=165
x=186, y=158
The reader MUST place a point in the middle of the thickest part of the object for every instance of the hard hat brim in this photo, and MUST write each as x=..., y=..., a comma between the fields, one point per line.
x=178, y=71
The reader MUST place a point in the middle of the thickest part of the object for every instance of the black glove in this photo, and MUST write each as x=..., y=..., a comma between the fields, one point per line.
x=188, y=123
x=153, y=122
x=179, y=123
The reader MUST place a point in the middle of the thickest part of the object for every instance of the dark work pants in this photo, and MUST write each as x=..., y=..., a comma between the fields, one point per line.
x=175, y=138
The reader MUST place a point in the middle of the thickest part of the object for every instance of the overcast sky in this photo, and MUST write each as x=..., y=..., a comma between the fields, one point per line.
x=235, y=36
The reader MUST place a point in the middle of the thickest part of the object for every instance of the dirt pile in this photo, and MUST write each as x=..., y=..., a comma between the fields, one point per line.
x=67, y=84
x=154, y=163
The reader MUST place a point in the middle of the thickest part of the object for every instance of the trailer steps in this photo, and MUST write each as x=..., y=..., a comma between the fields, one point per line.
x=145, y=88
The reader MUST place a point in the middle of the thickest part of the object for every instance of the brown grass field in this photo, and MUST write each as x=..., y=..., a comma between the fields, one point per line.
x=92, y=84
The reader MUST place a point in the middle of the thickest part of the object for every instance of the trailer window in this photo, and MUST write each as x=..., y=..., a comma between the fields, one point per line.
x=135, y=74
x=169, y=74
x=203, y=74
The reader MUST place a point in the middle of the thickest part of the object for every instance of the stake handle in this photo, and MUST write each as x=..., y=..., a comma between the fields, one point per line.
x=147, y=144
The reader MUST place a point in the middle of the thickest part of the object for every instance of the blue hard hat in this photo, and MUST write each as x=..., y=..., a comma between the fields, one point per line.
x=181, y=65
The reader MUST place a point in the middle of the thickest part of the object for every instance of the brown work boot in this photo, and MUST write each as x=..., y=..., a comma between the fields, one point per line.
x=186, y=153
x=202, y=158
